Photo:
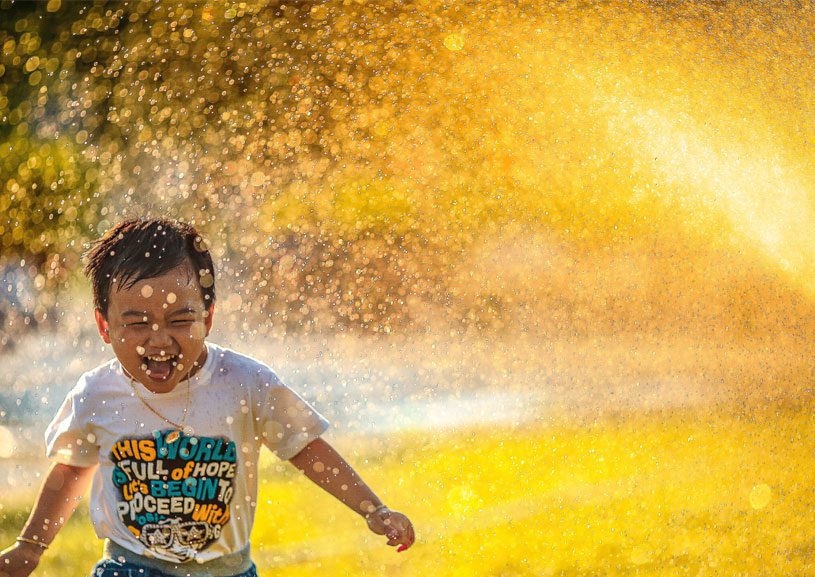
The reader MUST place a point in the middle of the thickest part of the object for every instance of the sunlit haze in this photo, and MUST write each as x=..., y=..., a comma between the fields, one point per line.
x=516, y=216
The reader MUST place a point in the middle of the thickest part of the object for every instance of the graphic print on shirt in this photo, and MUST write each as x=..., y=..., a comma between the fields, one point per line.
x=174, y=496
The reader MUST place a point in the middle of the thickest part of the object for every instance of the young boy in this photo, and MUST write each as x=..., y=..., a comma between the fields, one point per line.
x=170, y=430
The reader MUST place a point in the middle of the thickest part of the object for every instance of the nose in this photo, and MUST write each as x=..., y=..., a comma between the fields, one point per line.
x=159, y=338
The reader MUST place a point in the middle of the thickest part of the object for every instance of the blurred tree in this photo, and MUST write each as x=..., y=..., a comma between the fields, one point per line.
x=47, y=197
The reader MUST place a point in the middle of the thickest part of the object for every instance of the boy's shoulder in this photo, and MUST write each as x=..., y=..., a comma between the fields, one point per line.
x=229, y=362
x=97, y=382
x=106, y=372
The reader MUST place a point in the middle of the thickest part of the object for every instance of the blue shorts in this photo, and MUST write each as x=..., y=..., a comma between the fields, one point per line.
x=113, y=568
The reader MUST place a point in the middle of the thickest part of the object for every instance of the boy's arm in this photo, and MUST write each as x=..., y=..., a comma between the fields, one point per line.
x=325, y=467
x=63, y=487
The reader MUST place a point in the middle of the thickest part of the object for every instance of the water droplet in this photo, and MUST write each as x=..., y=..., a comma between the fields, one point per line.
x=200, y=244
x=7, y=442
x=258, y=179
x=760, y=496
x=454, y=42
x=147, y=291
x=319, y=12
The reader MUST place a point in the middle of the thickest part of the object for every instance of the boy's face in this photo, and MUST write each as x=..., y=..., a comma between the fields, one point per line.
x=157, y=328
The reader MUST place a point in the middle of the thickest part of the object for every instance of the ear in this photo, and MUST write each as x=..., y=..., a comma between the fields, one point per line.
x=102, y=325
x=208, y=318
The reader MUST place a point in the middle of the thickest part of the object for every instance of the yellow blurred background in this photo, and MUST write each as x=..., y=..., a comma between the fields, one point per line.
x=608, y=204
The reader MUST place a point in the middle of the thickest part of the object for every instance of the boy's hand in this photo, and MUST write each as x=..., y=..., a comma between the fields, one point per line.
x=19, y=560
x=395, y=525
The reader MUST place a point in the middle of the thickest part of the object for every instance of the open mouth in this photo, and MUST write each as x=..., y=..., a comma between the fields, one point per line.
x=160, y=367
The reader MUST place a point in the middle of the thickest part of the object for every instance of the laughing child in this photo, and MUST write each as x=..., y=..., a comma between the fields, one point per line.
x=171, y=429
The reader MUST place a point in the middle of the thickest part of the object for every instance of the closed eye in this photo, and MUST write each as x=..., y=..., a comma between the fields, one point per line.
x=183, y=321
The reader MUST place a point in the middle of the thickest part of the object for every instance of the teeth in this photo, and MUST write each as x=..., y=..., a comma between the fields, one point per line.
x=160, y=359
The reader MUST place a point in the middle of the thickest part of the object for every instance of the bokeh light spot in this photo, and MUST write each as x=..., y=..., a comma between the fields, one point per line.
x=760, y=496
x=454, y=42
x=7, y=442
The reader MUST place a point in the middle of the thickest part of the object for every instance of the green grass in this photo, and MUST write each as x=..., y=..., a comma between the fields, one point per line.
x=662, y=494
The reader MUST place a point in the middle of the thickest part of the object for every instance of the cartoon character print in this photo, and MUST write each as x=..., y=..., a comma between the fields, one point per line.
x=174, y=492
x=178, y=539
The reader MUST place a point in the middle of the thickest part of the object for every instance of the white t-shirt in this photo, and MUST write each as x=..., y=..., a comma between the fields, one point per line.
x=188, y=498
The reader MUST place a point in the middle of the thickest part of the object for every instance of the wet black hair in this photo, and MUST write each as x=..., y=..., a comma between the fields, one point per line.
x=140, y=249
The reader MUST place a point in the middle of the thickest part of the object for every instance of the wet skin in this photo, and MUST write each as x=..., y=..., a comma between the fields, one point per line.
x=163, y=316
